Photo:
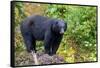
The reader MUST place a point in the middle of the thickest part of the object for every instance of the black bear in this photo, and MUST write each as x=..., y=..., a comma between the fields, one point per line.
x=38, y=27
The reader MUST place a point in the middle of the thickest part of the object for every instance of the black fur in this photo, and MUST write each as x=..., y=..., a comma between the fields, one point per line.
x=42, y=28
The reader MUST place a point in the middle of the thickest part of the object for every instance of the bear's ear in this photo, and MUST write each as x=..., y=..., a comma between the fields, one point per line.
x=54, y=26
x=56, y=22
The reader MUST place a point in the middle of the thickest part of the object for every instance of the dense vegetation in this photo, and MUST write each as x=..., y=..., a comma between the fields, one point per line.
x=79, y=41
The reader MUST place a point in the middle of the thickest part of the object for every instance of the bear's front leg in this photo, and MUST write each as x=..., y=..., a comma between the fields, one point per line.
x=55, y=44
x=47, y=42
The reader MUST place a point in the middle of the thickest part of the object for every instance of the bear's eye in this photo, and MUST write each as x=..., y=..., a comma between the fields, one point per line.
x=56, y=22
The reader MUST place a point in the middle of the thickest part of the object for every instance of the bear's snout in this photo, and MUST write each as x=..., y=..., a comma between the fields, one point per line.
x=62, y=31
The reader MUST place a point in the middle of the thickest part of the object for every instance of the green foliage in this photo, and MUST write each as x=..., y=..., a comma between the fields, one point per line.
x=19, y=16
x=19, y=13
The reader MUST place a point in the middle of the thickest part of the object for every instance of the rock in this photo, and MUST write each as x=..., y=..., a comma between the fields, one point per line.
x=26, y=59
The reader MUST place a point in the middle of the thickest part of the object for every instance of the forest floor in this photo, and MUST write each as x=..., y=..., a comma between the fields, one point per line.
x=24, y=58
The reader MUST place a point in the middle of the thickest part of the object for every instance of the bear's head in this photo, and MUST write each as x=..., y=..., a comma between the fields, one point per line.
x=59, y=27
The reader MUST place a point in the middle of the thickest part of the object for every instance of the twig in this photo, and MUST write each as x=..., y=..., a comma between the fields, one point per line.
x=35, y=58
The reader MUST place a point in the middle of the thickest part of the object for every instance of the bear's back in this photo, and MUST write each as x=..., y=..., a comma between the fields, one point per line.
x=38, y=19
